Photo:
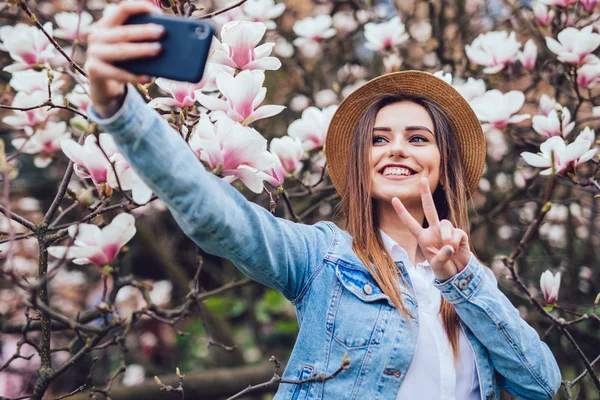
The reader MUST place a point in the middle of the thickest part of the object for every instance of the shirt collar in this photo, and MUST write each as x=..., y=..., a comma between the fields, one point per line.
x=397, y=252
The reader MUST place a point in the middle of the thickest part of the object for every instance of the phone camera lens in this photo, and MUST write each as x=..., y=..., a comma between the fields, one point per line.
x=201, y=32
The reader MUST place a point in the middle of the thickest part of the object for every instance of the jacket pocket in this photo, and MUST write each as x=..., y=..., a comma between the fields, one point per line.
x=357, y=309
x=301, y=389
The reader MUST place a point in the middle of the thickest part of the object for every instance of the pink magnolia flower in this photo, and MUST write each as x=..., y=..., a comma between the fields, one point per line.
x=565, y=156
x=79, y=97
x=311, y=128
x=235, y=14
x=27, y=45
x=499, y=109
x=31, y=118
x=547, y=104
x=588, y=75
x=242, y=96
x=72, y=26
x=551, y=125
x=386, y=35
x=238, y=48
x=311, y=31
x=97, y=246
x=344, y=22
x=494, y=50
x=588, y=5
x=574, y=45
x=558, y=3
x=234, y=150
x=543, y=14
x=529, y=55
x=471, y=89
x=89, y=160
x=182, y=93
x=29, y=81
x=550, y=285
x=275, y=174
x=587, y=135
x=263, y=11
x=44, y=142
x=128, y=180
x=289, y=150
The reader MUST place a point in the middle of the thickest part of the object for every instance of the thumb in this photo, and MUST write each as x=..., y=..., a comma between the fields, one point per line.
x=440, y=264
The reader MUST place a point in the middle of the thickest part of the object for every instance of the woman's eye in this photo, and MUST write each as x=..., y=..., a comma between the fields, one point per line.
x=378, y=139
x=419, y=139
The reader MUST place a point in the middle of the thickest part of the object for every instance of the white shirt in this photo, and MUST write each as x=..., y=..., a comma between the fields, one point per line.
x=432, y=373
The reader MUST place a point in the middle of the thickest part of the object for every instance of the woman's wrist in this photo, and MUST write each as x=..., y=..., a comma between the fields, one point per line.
x=109, y=108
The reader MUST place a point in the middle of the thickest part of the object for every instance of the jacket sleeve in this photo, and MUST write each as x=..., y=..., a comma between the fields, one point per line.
x=217, y=217
x=526, y=367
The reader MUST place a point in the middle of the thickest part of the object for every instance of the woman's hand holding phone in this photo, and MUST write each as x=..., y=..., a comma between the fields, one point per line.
x=111, y=42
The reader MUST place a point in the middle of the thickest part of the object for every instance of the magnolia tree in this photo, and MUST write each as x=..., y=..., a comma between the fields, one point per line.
x=80, y=314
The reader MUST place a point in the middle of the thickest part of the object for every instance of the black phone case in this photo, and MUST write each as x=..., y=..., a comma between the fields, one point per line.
x=185, y=48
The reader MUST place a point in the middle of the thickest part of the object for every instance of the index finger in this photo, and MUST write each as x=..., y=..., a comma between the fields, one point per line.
x=125, y=10
x=413, y=226
x=428, y=203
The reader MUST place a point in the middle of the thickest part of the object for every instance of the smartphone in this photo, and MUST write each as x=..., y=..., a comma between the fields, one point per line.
x=185, y=48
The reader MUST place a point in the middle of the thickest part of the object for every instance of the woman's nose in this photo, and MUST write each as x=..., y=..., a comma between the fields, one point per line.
x=398, y=148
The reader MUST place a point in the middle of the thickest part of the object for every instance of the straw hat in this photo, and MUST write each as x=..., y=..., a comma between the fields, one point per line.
x=465, y=123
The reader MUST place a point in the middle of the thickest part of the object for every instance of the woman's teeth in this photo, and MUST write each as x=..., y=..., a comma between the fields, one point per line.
x=396, y=171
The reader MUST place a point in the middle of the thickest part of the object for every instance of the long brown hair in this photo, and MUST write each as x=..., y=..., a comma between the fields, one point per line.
x=362, y=217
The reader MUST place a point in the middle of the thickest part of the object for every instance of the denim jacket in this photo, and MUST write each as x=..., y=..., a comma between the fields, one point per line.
x=340, y=308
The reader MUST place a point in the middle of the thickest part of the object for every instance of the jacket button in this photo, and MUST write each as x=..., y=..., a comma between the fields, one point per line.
x=490, y=396
x=463, y=284
x=368, y=289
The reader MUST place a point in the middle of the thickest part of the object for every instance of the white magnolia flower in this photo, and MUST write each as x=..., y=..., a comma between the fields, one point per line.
x=565, y=156
x=550, y=284
x=264, y=11
x=386, y=35
x=551, y=125
x=312, y=127
x=494, y=50
x=72, y=26
x=574, y=45
x=499, y=109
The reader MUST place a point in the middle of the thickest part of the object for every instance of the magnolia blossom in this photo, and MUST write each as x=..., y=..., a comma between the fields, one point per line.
x=235, y=14
x=325, y=97
x=311, y=31
x=128, y=180
x=392, y=62
x=32, y=118
x=234, y=150
x=446, y=77
x=238, y=47
x=588, y=5
x=421, y=31
x=574, y=45
x=72, y=26
x=344, y=22
x=97, y=246
x=263, y=11
x=43, y=143
x=242, y=96
x=79, y=97
x=289, y=150
x=499, y=109
x=551, y=125
x=543, y=14
x=547, y=104
x=29, y=81
x=89, y=160
x=471, y=89
x=494, y=50
x=386, y=35
x=27, y=45
x=275, y=174
x=529, y=55
x=312, y=127
x=587, y=135
x=588, y=75
x=550, y=285
x=565, y=156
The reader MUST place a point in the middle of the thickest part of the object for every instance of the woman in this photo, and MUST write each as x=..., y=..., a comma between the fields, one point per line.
x=400, y=294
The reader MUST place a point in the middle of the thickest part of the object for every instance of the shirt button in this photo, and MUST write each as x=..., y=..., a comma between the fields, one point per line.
x=368, y=289
x=463, y=284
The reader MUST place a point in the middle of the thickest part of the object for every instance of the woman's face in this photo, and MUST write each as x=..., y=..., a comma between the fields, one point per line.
x=404, y=151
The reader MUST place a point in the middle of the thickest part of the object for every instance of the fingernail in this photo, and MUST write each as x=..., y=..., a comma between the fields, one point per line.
x=158, y=29
x=448, y=251
x=155, y=46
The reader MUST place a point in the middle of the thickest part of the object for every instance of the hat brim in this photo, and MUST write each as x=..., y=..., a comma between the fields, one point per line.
x=461, y=116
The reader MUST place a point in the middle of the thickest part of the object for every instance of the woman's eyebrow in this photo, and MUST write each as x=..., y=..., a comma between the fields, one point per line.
x=408, y=128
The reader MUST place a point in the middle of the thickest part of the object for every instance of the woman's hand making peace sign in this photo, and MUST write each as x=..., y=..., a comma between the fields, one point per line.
x=445, y=247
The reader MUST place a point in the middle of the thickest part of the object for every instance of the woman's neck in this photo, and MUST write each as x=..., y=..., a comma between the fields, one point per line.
x=393, y=227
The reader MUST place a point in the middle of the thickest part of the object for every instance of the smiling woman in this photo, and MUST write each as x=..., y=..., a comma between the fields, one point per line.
x=399, y=294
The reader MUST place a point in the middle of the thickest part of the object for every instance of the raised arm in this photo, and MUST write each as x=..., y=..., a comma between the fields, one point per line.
x=273, y=251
